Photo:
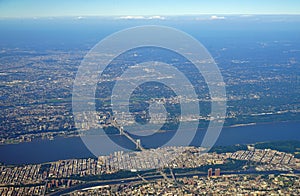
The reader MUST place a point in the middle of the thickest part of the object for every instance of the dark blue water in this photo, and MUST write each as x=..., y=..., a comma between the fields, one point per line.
x=39, y=151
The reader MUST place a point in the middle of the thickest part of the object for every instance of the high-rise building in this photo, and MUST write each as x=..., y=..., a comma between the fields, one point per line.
x=209, y=172
x=217, y=172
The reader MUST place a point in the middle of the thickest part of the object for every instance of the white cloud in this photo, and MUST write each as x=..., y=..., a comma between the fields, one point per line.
x=217, y=18
x=142, y=17
x=156, y=18
x=131, y=17
x=79, y=18
x=246, y=15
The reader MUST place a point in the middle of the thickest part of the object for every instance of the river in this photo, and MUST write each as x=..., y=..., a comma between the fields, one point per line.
x=39, y=151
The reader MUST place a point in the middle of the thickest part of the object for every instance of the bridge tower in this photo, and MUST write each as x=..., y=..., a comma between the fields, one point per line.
x=138, y=144
x=121, y=131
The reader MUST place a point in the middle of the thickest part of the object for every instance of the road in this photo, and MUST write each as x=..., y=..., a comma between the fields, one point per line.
x=148, y=178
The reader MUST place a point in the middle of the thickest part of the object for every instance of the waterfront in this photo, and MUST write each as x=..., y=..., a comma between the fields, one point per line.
x=39, y=151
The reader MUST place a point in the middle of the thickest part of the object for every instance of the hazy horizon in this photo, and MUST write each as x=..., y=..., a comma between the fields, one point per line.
x=54, y=8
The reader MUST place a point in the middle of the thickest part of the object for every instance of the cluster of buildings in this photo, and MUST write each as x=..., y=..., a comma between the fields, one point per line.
x=141, y=160
x=35, y=174
x=28, y=174
x=40, y=178
x=57, y=184
x=269, y=159
x=192, y=157
x=36, y=94
x=216, y=174
x=18, y=191
x=217, y=185
x=71, y=167
x=62, y=174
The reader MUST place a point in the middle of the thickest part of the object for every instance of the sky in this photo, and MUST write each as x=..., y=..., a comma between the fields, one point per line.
x=55, y=8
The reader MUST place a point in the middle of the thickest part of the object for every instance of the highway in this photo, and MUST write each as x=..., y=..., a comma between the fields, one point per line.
x=158, y=176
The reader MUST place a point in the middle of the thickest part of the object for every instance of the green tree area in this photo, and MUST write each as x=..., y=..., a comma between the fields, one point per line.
x=232, y=148
x=118, y=175
x=229, y=165
x=292, y=147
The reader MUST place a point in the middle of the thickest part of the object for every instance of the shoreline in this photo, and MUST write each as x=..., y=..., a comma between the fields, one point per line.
x=72, y=135
x=39, y=151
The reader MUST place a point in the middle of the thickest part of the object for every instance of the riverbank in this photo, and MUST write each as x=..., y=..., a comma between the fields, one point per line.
x=40, y=151
x=68, y=134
